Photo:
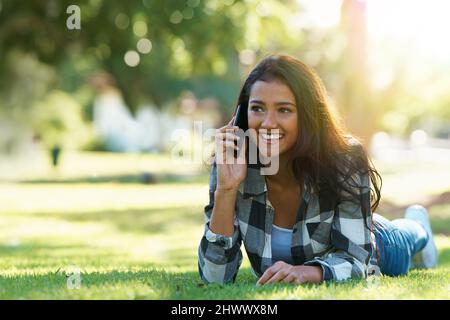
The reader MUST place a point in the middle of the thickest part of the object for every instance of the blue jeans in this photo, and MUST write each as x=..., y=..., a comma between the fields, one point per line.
x=398, y=241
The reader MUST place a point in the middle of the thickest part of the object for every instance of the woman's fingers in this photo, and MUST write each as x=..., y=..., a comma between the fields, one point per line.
x=279, y=276
x=228, y=126
x=225, y=149
x=227, y=141
x=241, y=152
x=269, y=273
x=290, y=278
x=228, y=144
x=279, y=272
x=227, y=136
x=229, y=129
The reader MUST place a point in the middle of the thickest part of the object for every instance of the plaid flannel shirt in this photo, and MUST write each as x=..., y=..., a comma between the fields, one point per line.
x=328, y=232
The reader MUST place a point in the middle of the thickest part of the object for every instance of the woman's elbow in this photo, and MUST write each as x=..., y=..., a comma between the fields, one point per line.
x=210, y=276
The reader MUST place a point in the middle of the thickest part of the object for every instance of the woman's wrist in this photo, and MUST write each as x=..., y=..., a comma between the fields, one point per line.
x=222, y=219
x=226, y=191
x=311, y=274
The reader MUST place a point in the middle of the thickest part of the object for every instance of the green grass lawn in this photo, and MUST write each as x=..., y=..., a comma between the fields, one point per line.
x=131, y=240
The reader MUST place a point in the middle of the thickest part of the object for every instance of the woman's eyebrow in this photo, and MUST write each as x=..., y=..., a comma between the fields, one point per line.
x=279, y=103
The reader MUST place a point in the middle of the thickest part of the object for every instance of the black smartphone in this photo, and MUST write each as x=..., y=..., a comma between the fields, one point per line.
x=240, y=120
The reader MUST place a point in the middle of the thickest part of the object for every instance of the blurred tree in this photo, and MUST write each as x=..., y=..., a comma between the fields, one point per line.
x=404, y=100
x=155, y=49
x=23, y=81
x=354, y=96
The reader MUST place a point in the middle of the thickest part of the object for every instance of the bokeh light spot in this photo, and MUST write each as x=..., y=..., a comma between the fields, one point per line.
x=176, y=17
x=140, y=28
x=122, y=21
x=132, y=58
x=144, y=45
x=247, y=57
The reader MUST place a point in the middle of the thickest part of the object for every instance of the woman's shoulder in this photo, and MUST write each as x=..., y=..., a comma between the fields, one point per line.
x=354, y=159
x=354, y=149
x=354, y=143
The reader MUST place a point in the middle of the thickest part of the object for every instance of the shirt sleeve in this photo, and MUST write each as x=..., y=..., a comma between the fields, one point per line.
x=350, y=236
x=219, y=256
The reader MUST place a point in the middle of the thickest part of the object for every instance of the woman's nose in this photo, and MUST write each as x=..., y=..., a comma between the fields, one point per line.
x=270, y=121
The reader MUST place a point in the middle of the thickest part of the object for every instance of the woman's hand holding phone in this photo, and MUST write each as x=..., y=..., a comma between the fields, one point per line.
x=231, y=170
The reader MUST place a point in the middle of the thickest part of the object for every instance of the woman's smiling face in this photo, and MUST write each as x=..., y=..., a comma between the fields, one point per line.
x=272, y=108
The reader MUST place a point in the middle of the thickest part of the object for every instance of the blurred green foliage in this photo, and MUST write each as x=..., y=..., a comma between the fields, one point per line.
x=57, y=119
x=194, y=44
x=204, y=46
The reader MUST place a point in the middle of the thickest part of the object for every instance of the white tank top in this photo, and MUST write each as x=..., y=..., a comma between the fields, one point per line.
x=281, y=244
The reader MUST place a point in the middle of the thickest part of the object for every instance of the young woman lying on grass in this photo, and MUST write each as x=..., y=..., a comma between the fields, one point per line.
x=312, y=220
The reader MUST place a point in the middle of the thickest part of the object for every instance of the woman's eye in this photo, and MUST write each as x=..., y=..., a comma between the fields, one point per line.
x=256, y=109
x=284, y=110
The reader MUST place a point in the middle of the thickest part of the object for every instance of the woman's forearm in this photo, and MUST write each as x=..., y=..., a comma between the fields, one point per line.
x=222, y=216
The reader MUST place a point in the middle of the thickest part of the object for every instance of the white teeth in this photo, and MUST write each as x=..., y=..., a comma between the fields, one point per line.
x=271, y=136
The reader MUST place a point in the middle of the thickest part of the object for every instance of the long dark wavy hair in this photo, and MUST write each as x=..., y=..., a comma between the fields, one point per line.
x=325, y=156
